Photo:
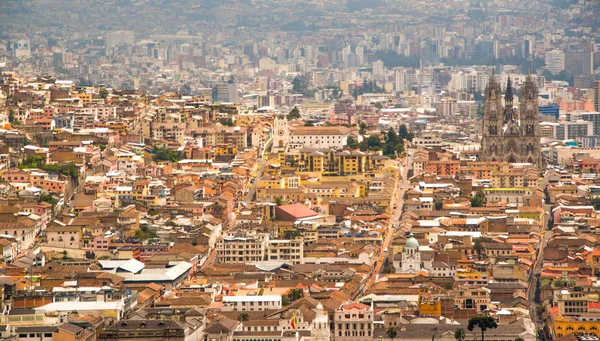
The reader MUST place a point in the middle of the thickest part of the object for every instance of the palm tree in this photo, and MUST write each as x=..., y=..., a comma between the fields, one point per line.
x=459, y=334
x=243, y=317
x=391, y=333
x=483, y=322
x=518, y=338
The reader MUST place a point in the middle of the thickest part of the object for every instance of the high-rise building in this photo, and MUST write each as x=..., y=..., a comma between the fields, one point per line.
x=227, y=92
x=579, y=63
x=597, y=95
x=400, y=80
x=509, y=135
x=20, y=48
x=378, y=70
x=555, y=61
x=574, y=130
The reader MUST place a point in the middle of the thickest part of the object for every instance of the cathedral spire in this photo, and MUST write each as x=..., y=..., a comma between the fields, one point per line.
x=508, y=96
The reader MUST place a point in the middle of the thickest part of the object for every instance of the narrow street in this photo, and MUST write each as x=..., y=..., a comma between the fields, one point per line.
x=397, y=204
x=534, y=280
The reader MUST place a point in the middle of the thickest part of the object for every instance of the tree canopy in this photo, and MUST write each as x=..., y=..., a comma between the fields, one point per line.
x=478, y=200
x=482, y=322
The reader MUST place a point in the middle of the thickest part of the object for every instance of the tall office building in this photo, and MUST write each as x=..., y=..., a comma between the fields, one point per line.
x=597, y=95
x=227, y=92
x=579, y=63
x=555, y=61
x=378, y=70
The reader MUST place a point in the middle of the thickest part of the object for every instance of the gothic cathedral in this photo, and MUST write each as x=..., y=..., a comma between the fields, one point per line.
x=509, y=135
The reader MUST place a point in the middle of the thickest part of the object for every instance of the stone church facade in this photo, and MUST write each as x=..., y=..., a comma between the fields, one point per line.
x=507, y=134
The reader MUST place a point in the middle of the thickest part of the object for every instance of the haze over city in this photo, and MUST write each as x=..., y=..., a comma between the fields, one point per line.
x=335, y=170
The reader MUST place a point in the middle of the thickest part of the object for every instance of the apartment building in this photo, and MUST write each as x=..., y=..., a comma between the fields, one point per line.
x=241, y=249
x=259, y=247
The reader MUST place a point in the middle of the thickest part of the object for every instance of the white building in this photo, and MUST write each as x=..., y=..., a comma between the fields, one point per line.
x=555, y=61
x=411, y=257
x=251, y=303
x=21, y=48
x=335, y=137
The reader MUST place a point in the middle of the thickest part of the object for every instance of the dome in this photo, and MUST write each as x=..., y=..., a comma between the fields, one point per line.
x=319, y=306
x=412, y=243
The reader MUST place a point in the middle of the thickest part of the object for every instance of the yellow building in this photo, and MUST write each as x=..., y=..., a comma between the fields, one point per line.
x=568, y=325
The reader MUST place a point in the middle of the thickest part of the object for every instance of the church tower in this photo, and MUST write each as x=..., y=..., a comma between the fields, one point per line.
x=530, y=128
x=493, y=122
x=281, y=133
x=509, y=135
x=320, y=326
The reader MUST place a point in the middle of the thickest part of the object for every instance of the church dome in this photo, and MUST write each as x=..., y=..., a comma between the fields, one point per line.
x=412, y=243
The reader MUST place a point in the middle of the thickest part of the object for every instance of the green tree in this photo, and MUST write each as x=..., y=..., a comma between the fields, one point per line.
x=165, y=154
x=300, y=85
x=243, y=317
x=294, y=114
x=11, y=116
x=285, y=301
x=228, y=122
x=309, y=123
x=459, y=334
x=518, y=338
x=478, y=248
x=278, y=201
x=295, y=294
x=482, y=322
x=478, y=200
x=404, y=133
x=103, y=93
x=388, y=270
x=363, y=128
x=391, y=333
x=351, y=142
x=374, y=142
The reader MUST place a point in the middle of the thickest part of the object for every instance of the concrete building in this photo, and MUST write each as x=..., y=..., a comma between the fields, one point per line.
x=597, y=95
x=227, y=92
x=20, y=48
x=579, y=63
x=574, y=130
x=241, y=249
x=555, y=61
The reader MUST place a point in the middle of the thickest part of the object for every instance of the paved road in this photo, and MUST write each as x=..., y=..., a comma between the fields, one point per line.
x=397, y=205
x=249, y=197
x=534, y=307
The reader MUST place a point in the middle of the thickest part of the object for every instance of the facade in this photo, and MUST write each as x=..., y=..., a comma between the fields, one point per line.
x=411, y=257
x=251, y=303
x=507, y=135
x=227, y=92
x=353, y=322
x=335, y=137
x=574, y=130
x=250, y=248
x=597, y=95
x=143, y=330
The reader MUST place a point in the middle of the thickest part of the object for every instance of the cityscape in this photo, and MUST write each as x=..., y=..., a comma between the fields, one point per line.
x=334, y=170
